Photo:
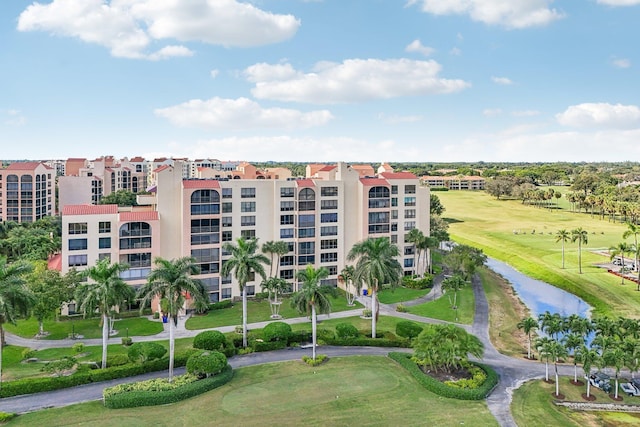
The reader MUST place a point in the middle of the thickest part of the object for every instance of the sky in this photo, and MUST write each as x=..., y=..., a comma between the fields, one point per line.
x=321, y=80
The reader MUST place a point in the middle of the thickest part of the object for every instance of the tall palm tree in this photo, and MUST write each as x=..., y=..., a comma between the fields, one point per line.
x=171, y=280
x=543, y=345
x=528, y=326
x=616, y=357
x=588, y=357
x=556, y=351
x=454, y=284
x=312, y=298
x=581, y=236
x=416, y=237
x=275, y=249
x=15, y=297
x=621, y=249
x=572, y=342
x=633, y=230
x=635, y=251
x=376, y=264
x=551, y=324
x=102, y=293
x=352, y=288
x=244, y=263
x=563, y=236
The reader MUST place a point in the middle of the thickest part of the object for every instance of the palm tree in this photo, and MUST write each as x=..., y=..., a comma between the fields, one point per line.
x=563, y=236
x=275, y=285
x=105, y=291
x=633, y=230
x=171, y=280
x=588, y=357
x=275, y=250
x=244, y=263
x=581, y=236
x=528, y=326
x=543, y=345
x=312, y=297
x=551, y=324
x=15, y=297
x=616, y=357
x=621, y=249
x=346, y=276
x=416, y=237
x=635, y=251
x=572, y=342
x=556, y=351
x=454, y=283
x=376, y=264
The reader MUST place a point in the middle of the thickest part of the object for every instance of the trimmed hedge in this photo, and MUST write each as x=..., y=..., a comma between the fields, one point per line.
x=35, y=385
x=368, y=342
x=134, y=399
x=259, y=346
x=346, y=330
x=210, y=340
x=299, y=337
x=276, y=331
x=437, y=387
x=221, y=305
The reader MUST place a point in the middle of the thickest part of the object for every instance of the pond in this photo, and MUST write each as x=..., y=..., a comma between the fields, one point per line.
x=539, y=296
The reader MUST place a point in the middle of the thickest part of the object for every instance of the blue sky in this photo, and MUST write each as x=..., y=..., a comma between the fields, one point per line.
x=323, y=80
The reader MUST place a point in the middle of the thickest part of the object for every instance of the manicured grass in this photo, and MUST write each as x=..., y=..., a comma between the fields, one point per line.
x=392, y=296
x=385, y=323
x=257, y=311
x=491, y=224
x=441, y=307
x=87, y=328
x=533, y=406
x=362, y=390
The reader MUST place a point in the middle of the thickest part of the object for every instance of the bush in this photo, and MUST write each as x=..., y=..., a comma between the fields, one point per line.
x=6, y=416
x=408, y=329
x=28, y=353
x=146, y=351
x=417, y=282
x=346, y=330
x=57, y=367
x=117, y=360
x=369, y=342
x=206, y=364
x=320, y=358
x=367, y=312
x=221, y=304
x=435, y=386
x=478, y=377
x=149, y=398
x=78, y=347
x=127, y=341
x=210, y=340
x=156, y=315
x=325, y=334
x=400, y=308
x=259, y=346
x=276, y=331
x=299, y=336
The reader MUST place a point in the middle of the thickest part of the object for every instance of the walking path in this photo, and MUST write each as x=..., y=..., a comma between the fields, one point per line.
x=512, y=371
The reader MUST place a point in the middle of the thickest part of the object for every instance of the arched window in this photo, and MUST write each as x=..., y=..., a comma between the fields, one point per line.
x=205, y=202
x=379, y=197
x=307, y=200
x=135, y=235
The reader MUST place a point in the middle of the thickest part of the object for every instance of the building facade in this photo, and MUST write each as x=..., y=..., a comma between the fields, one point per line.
x=27, y=192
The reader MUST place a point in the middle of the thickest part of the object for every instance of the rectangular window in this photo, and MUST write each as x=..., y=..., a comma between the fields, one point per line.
x=305, y=233
x=287, y=191
x=329, y=244
x=226, y=293
x=378, y=228
x=394, y=214
x=378, y=217
x=227, y=236
x=306, y=221
x=409, y=250
x=305, y=248
x=328, y=191
x=409, y=189
x=78, y=228
x=136, y=260
x=286, y=274
x=409, y=201
x=227, y=193
x=286, y=206
x=104, y=243
x=77, y=260
x=248, y=207
x=394, y=189
x=250, y=290
x=306, y=259
x=227, y=221
x=247, y=193
x=286, y=233
x=333, y=270
x=287, y=220
x=329, y=257
x=247, y=220
x=328, y=204
x=77, y=244
x=394, y=226
x=394, y=239
x=248, y=234
x=286, y=260
x=104, y=256
x=329, y=217
x=394, y=201
x=410, y=213
x=409, y=225
x=227, y=207
x=408, y=262
x=104, y=227
x=331, y=230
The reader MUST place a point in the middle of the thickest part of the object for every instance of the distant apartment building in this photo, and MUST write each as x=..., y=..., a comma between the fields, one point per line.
x=320, y=218
x=27, y=191
x=454, y=182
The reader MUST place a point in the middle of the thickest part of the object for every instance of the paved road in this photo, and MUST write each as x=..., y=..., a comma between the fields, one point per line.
x=513, y=372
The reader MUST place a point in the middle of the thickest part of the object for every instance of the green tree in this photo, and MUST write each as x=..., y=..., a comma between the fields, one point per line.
x=620, y=250
x=102, y=293
x=563, y=236
x=454, y=284
x=172, y=281
x=244, y=264
x=616, y=357
x=312, y=297
x=634, y=230
x=551, y=324
x=275, y=249
x=556, y=351
x=416, y=237
x=572, y=342
x=376, y=264
x=275, y=286
x=588, y=357
x=435, y=205
x=464, y=260
x=50, y=289
x=581, y=236
x=445, y=347
x=543, y=345
x=352, y=288
x=120, y=198
x=528, y=326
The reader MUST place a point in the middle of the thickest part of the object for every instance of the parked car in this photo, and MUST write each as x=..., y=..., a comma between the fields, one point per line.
x=630, y=389
x=601, y=381
x=617, y=261
x=635, y=382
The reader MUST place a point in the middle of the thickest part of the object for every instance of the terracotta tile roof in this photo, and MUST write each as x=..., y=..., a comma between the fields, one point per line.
x=161, y=168
x=373, y=182
x=89, y=209
x=200, y=183
x=139, y=216
x=327, y=168
x=398, y=175
x=137, y=159
x=23, y=166
x=55, y=262
x=305, y=183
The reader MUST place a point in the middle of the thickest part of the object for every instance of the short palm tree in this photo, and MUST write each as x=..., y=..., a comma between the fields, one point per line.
x=563, y=236
x=352, y=288
x=376, y=264
x=104, y=291
x=244, y=263
x=275, y=249
x=528, y=326
x=621, y=249
x=633, y=230
x=312, y=297
x=171, y=280
x=454, y=284
x=15, y=298
x=581, y=236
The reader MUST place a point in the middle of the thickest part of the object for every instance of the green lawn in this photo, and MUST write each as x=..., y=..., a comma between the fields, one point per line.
x=385, y=323
x=491, y=226
x=441, y=307
x=88, y=328
x=533, y=406
x=392, y=296
x=257, y=311
x=363, y=390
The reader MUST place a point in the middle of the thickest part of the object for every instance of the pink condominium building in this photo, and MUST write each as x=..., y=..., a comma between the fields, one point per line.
x=320, y=217
x=27, y=192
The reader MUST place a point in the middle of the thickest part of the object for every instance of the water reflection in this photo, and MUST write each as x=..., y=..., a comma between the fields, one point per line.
x=539, y=296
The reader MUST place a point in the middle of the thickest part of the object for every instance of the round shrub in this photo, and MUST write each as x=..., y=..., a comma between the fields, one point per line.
x=145, y=351
x=210, y=340
x=78, y=348
x=117, y=360
x=346, y=330
x=206, y=364
x=408, y=329
x=276, y=331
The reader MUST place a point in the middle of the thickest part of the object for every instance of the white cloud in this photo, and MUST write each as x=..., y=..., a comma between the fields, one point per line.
x=354, y=80
x=502, y=81
x=214, y=73
x=491, y=112
x=506, y=13
x=455, y=51
x=394, y=119
x=14, y=118
x=619, y=2
x=417, y=46
x=128, y=27
x=621, y=63
x=600, y=115
x=239, y=114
